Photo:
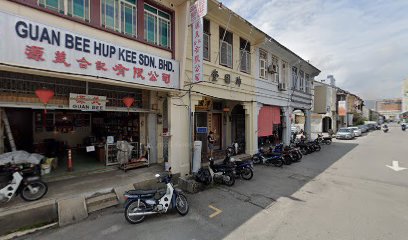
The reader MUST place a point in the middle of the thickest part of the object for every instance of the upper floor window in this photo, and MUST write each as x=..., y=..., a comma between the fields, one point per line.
x=73, y=8
x=245, y=52
x=284, y=74
x=275, y=68
x=119, y=15
x=157, y=26
x=206, y=39
x=307, y=83
x=294, y=78
x=263, y=63
x=79, y=9
x=301, y=80
x=54, y=5
x=225, y=48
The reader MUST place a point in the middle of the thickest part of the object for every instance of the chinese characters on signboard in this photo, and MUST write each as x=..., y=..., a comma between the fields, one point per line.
x=87, y=102
x=198, y=50
x=27, y=43
x=197, y=11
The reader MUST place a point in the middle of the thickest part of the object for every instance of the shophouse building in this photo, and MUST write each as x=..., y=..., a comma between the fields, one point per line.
x=324, y=114
x=103, y=70
x=283, y=85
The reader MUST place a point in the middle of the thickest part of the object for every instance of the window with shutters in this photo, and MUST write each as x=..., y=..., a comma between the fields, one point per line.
x=307, y=79
x=294, y=78
x=206, y=39
x=301, y=80
x=284, y=75
x=245, y=53
x=275, y=67
x=225, y=48
x=263, y=63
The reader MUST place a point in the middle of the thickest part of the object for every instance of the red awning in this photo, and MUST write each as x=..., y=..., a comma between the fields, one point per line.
x=268, y=115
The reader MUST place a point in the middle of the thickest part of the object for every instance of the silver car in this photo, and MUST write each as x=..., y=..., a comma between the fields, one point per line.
x=345, y=133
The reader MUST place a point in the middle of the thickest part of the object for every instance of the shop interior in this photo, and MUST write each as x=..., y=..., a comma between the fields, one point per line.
x=55, y=132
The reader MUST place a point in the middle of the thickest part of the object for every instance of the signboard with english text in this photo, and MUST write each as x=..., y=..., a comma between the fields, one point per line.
x=35, y=45
x=87, y=102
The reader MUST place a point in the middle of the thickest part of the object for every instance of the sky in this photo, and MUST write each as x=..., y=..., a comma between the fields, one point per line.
x=363, y=43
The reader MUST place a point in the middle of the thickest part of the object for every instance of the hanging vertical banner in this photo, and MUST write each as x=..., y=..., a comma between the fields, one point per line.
x=342, y=108
x=197, y=11
x=198, y=51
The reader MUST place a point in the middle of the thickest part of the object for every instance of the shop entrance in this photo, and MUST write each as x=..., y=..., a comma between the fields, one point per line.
x=238, y=124
x=217, y=129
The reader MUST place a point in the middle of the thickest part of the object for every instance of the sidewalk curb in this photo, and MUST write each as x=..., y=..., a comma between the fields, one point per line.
x=27, y=216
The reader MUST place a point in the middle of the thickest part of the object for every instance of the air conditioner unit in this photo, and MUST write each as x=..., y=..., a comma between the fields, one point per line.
x=272, y=69
x=281, y=87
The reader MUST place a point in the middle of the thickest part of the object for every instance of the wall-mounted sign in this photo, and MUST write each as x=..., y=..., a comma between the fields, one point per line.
x=35, y=45
x=87, y=102
x=202, y=130
x=204, y=105
x=198, y=10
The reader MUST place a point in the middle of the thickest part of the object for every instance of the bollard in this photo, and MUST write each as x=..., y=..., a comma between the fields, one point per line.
x=69, y=161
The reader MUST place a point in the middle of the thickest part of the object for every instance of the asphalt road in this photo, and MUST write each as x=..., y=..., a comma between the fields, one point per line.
x=343, y=192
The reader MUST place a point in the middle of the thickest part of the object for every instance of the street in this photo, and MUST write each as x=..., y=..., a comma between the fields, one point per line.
x=345, y=191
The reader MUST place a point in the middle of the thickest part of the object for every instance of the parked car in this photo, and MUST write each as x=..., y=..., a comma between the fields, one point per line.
x=357, y=131
x=345, y=133
x=363, y=128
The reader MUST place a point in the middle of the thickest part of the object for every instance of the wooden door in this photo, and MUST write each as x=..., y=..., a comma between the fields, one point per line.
x=216, y=128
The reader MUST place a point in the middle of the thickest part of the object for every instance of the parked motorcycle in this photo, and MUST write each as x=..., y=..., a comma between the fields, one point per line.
x=23, y=179
x=235, y=148
x=140, y=203
x=294, y=153
x=385, y=128
x=243, y=169
x=287, y=156
x=324, y=140
x=268, y=158
x=403, y=127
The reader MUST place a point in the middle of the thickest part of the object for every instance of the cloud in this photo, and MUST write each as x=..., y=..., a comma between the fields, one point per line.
x=362, y=43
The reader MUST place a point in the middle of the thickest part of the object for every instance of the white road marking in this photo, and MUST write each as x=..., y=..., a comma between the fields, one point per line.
x=395, y=166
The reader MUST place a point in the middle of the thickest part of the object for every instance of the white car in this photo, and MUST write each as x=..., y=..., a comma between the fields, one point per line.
x=356, y=130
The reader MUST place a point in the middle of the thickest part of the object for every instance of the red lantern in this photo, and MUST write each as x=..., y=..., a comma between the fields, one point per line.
x=128, y=101
x=45, y=96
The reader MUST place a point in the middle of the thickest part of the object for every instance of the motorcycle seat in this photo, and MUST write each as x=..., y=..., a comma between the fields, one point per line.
x=142, y=192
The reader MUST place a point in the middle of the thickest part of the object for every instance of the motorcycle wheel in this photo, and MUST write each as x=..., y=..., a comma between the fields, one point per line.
x=287, y=160
x=40, y=189
x=182, y=206
x=247, y=173
x=256, y=160
x=318, y=147
x=300, y=155
x=131, y=207
x=304, y=151
x=231, y=178
x=328, y=142
x=278, y=162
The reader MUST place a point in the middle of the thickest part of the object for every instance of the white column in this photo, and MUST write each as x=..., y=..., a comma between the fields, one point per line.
x=308, y=127
x=251, y=127
x=287, y=130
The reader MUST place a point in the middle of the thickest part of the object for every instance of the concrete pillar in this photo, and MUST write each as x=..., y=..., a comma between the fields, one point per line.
x=152, y=136
x=287, y=130
x=308, y=127
x=178, y=122
x=251, y=127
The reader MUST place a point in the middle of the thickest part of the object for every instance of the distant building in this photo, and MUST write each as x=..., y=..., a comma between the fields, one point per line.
x=390, y=108
x=405, y=96
x=370, y=104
